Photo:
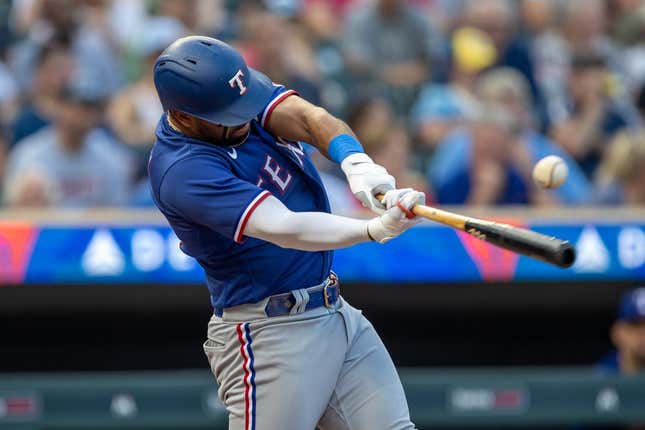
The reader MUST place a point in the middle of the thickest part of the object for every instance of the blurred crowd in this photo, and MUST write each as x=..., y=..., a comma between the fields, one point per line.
x=458, y=98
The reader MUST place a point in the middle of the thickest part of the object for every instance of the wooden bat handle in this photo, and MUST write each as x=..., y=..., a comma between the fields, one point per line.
x=444, y=217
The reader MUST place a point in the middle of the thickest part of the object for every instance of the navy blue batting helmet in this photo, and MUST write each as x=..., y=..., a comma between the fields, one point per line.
x=209, y=79
x=632, y=306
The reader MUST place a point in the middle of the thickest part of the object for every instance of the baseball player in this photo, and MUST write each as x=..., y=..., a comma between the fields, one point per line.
x=628, y=336
x=228, y=172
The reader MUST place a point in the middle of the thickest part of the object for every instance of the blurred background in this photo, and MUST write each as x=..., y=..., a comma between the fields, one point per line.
x=102, y=317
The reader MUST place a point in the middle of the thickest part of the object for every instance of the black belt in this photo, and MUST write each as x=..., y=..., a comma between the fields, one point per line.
x=325, y=294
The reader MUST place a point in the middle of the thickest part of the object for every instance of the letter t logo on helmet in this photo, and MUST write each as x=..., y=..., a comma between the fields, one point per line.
x=236, y=81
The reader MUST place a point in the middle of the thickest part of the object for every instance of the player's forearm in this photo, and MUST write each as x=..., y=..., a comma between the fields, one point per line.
x=307, y=231
x=323, y=127
x=297, y=119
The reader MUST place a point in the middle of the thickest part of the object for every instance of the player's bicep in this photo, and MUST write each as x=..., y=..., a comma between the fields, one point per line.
x=270, y=220
x=289, y=119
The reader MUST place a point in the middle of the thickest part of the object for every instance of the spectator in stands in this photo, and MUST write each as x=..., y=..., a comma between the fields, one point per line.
x=441, y=107
x=550, y=55
x=3, y=154
x=508, y=88
x=387, y=49
x=585, y=27
x=630, y=34
x=71, y=163
x=490, y=160
x=320, y=18
x=341, y=198
x=537, y=16
x=385, y=140
x=621, y=175
x=628, y=336
x=576, y=26
x=183, y=11
x=54, y=67
x=482, y=163
x=275, y=46
x=5, y=31
x=84, y=25
x=134, y=112
x=8, y=91
x=497, y=19
x=8, y=86
x=640, y=103
x=594, y=116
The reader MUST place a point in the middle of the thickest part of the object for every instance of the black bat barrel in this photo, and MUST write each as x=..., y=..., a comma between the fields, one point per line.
x=546, y=248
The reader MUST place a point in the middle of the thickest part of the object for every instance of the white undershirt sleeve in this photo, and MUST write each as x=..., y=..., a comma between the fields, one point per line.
x=308, y=231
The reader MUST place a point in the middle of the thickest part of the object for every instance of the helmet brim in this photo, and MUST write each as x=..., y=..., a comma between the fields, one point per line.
x=259, y=91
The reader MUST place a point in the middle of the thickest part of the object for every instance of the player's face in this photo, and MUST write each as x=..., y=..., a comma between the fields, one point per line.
x=229, y=136
x=633, y=339
x=237, y=132
x=638, y=334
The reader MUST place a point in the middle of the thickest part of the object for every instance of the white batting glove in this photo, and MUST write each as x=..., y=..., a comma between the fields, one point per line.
x=397, y=218
x=367, y=179
x=391, y=197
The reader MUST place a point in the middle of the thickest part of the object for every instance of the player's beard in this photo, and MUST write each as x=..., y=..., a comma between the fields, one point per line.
x=223, y=136
x=234, y=140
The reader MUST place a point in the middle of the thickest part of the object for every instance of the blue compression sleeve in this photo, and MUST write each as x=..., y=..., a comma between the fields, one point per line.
x=343, y=145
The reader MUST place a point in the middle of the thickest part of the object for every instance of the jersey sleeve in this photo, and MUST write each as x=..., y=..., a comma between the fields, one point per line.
x=204, y=191
x=279, y=94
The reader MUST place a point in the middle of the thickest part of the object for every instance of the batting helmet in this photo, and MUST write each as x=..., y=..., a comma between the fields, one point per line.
x=208, y=79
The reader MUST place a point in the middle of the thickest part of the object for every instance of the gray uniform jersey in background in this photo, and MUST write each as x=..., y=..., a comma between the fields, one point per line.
x=96, y=175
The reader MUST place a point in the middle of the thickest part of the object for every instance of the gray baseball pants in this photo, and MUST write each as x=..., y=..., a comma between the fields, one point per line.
x=324, y=368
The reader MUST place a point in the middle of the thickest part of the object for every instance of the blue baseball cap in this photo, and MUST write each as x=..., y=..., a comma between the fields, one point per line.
x=632, y=306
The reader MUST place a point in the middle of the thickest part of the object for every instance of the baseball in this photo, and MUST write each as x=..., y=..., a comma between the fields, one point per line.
x=550, y=172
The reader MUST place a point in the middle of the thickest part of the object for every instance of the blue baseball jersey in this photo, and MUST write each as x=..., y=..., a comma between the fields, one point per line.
x=208, y=192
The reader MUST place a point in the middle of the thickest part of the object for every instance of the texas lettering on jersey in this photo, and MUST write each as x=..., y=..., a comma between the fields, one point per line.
x=277, y=174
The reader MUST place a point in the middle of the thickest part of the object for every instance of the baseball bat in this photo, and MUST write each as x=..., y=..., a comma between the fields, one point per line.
x=520, y=240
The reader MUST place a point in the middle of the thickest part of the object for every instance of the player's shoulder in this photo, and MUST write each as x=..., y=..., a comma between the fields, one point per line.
x=38, y=146
x=608, y=365
x=173, y=146
x=40, y=140
x=174, y=154
x=280, y=93
x=189, y=157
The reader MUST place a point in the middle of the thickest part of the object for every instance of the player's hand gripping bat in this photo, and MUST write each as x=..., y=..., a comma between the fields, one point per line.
x=542, y=247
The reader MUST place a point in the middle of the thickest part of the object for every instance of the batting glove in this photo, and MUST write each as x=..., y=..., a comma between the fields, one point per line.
x=367, y=179
x=398, y=217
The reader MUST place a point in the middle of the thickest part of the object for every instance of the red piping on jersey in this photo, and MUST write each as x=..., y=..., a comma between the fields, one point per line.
x=275, y=103
x=249, y=211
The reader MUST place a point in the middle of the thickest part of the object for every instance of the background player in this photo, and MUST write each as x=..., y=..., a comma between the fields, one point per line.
x=628, y=336
x=238, y=189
